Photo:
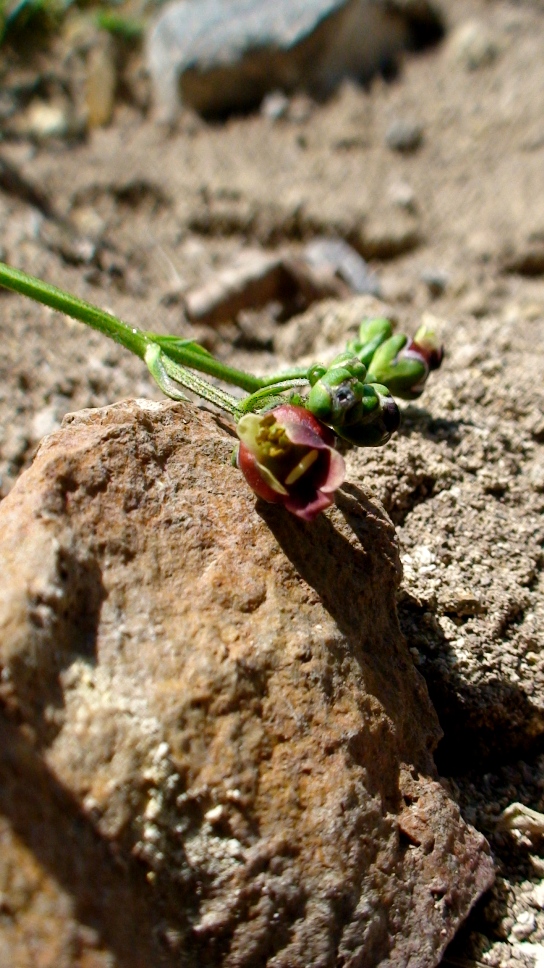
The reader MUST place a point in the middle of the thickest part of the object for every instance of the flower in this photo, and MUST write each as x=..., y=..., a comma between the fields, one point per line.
x=287, y=457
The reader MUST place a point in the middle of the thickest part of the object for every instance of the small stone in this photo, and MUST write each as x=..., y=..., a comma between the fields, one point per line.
x=526, y=258
x=472, y=46
x=435, y=280
x=523, y=927
x=518, y=817
x=220, y=55
x=214, y=815
x=537, y=896
x=403, y=196
x=388, y=234
x=47, y=120
x=275, y=106
x=153, y=809
x=536, y=477
x=342, y=260
x=101, y=84
x=253, y=280
x=537, y=864
x=404, y=136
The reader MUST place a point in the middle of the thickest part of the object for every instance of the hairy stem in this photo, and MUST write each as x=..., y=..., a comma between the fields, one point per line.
x=165, y=356
x=131, y=338
x=191, y=354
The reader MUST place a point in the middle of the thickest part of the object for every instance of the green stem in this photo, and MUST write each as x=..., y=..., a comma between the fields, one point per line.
x=172, y=356
x=249, y=404
x=295, y=373
x=130, y=337
x=205, y=390
x=186, y=354
x=190, y=354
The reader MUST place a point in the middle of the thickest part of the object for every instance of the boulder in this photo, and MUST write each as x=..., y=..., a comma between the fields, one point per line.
x=216, y=748
x=222, y=55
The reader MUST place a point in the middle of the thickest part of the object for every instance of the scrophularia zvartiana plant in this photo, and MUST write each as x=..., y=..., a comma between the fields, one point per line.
x=288, y=422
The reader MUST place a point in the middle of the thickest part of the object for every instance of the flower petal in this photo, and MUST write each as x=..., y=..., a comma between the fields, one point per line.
x=302, y=427
x=252, y=471
x=336, y=474
x=308, y=510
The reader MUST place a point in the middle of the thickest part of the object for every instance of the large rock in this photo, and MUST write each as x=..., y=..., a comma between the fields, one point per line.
x=215, y=746
x=220, y=55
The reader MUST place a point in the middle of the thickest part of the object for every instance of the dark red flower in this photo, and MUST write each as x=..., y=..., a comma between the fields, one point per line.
x=288, y=457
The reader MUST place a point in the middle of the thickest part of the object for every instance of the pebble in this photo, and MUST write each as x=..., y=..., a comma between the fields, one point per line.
x=275, y=106
x=402, y=195
x=44, y=120
x=101, y=84
x=404, y=136
x=343, y=260
x=526, y=259
x=45, y=421
x=435, y=280
x=472, y=46
x=537, y=896
x=215, y=814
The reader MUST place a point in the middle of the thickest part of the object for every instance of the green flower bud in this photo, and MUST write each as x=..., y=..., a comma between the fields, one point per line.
x=315, y=373
x=379, y=418
x=338, y=392
x=372, y=333
x=403, y=365
x=352, y=363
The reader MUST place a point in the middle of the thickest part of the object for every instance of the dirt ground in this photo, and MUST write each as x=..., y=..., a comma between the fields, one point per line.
x=131, y=216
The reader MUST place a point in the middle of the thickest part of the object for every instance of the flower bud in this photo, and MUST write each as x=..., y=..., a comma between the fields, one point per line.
x=403, y=364
x=287, y=457
x=425, y=343
x=379, y=418
x=372, y=333
x=337, y=393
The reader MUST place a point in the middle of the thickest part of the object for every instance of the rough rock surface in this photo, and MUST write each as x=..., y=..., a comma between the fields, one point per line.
x=219, y=55
x=215, y=746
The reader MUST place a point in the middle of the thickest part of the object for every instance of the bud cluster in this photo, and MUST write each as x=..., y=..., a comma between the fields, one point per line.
x=353, y=396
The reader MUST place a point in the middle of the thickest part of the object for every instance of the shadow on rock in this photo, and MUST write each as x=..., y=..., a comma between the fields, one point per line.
x=484, y=724
x=351, y=562
x=66, y=612
x=418, y=420
x=108, y=889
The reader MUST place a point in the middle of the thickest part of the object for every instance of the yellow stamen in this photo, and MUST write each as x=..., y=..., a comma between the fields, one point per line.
x=302, y=466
